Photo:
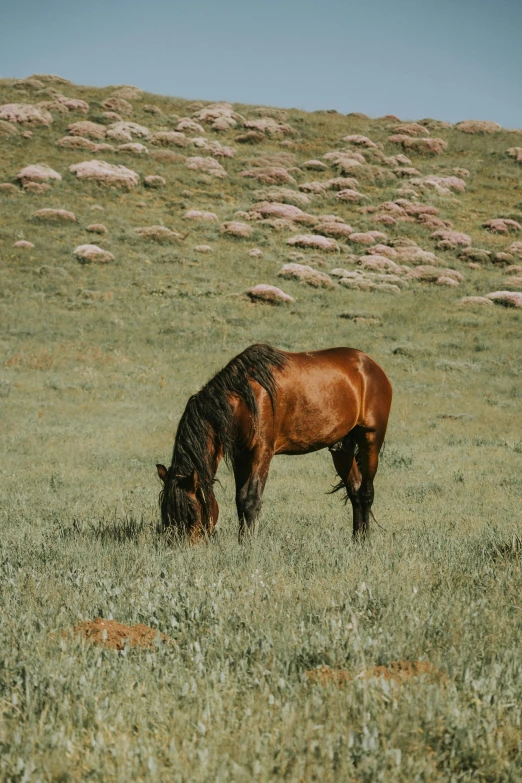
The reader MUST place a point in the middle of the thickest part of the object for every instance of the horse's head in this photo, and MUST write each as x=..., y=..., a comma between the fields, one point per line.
x=188, y=506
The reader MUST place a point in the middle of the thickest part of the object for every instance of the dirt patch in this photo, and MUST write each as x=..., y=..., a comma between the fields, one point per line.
x=401, y=671
x=323, y=675
x=114, y=635
x=398, y=672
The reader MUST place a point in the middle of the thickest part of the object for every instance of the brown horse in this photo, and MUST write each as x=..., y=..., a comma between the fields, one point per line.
x=267, y=402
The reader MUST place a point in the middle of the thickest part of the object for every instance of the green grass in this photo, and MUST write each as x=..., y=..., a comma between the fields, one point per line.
x=92, y=390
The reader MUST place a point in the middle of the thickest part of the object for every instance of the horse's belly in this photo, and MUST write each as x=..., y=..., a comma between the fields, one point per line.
x=301, y=448
x=307, y=429
x=307, y=444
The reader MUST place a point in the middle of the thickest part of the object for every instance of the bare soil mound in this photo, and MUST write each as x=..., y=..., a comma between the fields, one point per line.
x=114, y=635
x=398, y=672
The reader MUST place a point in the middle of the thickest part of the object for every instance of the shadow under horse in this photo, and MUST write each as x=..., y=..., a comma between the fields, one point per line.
x=267, y=402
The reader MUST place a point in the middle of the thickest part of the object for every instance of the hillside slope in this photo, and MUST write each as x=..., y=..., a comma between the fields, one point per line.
x=228, y=173
x=302, y=656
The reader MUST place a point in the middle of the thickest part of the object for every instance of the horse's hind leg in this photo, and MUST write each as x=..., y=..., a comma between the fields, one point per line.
x=346, y=467
x=250, y=473
x=369, y=443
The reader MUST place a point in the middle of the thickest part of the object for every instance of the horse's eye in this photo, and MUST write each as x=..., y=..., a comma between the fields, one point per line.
x=186, y=483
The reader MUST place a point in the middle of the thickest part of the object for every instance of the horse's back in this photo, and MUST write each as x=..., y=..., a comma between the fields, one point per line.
x=352, y=365
x=376, y=386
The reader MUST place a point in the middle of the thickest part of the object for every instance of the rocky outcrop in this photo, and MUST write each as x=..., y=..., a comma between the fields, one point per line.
x=38, y=172
x=315, y=241
x=306, y=274
x=269, y=294
x=207, y=165
x=25, y=114
x=106, y=173
x=49, y=215
x=92, y=254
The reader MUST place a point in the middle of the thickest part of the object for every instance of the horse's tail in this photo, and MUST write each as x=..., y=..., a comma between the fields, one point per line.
x=337, y=488
x=341, y=485
x=357, y=455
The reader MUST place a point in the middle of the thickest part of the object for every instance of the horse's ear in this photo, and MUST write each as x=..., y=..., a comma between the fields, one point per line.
x=162, y=472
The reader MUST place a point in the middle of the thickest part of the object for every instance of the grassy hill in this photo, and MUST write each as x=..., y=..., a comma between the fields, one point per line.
x=98, y=360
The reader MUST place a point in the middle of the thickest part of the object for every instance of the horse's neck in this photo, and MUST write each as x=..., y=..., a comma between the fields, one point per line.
x=215, y=450
x=213, y=454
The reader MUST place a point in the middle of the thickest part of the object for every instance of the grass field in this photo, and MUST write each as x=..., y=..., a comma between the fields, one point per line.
x=97, y=364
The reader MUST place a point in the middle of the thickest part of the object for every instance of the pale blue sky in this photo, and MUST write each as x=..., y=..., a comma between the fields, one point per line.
x=449, y=59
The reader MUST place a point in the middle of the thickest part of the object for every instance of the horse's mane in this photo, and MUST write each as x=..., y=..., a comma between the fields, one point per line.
x=209, y=415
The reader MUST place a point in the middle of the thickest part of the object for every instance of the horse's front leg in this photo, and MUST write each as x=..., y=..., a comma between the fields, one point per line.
x=250, y=473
